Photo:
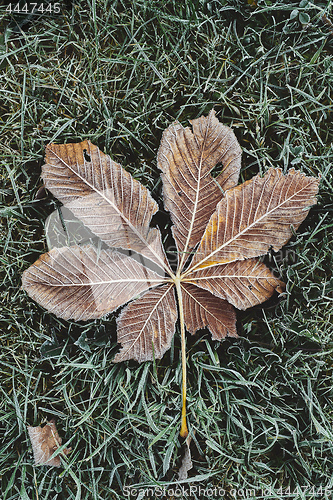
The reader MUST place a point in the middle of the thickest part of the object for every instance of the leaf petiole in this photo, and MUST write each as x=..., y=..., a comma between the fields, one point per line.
x=183, y=429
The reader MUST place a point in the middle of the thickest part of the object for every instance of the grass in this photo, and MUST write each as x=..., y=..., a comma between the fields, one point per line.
x=260, y=408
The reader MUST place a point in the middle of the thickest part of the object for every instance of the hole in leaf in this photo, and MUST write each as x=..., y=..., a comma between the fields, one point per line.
x=86, y=156
x=216, y=170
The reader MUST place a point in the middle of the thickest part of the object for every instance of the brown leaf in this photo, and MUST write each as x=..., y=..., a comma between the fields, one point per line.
x=186, y=461
x=256, y=216
x=45, y=441
x=186, y=159
x=231, y=226
x=244, y=283
x=202, y=309
x=78, y=283
x=99, y=192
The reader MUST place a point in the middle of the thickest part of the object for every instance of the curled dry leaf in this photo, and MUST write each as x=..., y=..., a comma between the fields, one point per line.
x=220, y=229
x=45, y=441
x=186, y=461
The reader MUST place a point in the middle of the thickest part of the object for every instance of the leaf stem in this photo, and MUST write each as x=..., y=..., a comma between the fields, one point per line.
x=183, y=429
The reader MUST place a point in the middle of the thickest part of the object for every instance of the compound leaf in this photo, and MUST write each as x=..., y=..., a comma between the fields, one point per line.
x=230, y=226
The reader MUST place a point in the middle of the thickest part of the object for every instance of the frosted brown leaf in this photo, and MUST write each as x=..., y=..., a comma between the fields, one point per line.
x=45, y=441
x=220, y=229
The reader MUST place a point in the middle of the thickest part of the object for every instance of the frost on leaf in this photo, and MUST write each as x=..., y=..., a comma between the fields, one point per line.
x=45, y=441
x=220, y=230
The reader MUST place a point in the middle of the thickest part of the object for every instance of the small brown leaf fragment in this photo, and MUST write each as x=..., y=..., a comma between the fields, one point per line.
x=186, y=461
x=203, y=309
x=147, y=325
x=244, y=283
x=45, y=441
x=186, y=159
